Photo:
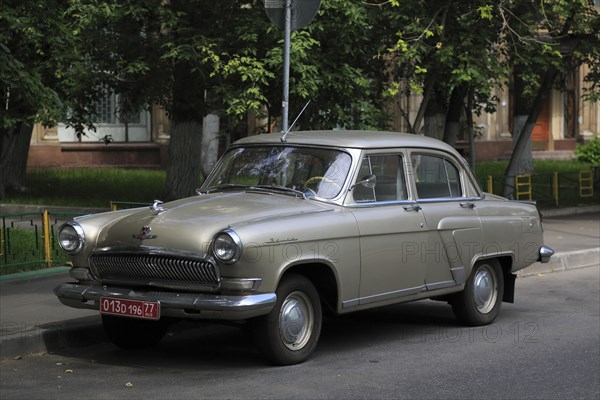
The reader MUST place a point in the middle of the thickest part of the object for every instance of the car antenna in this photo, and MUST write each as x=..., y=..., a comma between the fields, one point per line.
x=291, y=126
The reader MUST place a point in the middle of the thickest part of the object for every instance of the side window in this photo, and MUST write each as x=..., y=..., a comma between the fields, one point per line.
x=391, y=184
x=435, y=177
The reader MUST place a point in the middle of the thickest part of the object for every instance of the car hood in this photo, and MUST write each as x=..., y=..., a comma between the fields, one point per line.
x=190, y=224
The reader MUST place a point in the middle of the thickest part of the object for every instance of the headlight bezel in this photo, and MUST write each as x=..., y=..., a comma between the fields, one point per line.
x=222, y=240
x=77, y=232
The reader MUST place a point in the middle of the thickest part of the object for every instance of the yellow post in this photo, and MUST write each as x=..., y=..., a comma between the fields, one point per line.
x=46, y=238
x=555, y=188
x=490, y=185
x=113, y=206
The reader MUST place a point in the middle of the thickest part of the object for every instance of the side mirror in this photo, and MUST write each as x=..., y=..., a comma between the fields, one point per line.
x=368, y=181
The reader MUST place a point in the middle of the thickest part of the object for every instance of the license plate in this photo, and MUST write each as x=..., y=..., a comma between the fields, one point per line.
x=130, y=308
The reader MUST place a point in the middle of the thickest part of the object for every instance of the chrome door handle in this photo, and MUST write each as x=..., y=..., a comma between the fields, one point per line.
x=467, y=204
x=412, y=207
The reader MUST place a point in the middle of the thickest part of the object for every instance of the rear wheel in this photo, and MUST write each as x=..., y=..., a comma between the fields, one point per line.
x=290, y=332
x=131, y=333
x=479, y=303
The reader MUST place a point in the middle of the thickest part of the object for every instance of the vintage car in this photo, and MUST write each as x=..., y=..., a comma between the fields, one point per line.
x=287, y=227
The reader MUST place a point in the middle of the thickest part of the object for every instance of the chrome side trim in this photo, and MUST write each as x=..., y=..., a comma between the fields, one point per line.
x=350, y=303
x=449, y=199
x=440, y=285
x=370, y=204
x=180, y=305
x=545, y=254
x=391, y=295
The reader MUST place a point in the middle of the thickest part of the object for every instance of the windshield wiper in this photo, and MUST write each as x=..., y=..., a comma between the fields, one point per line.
x=279, y=188
x=259, y=188
x=225, y=186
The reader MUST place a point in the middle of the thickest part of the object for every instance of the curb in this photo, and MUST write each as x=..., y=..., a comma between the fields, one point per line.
x=563, y=212
x=34, y=274
x=564, y=261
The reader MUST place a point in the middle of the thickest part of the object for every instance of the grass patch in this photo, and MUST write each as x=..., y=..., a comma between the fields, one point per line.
x=22, y=250
x=89, y=187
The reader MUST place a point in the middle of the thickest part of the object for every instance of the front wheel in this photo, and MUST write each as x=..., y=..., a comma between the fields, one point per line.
x=290, y=332
x=479, y=303
x=132, y=333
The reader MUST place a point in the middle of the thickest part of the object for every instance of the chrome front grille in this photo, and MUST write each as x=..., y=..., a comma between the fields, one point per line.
x=154, y=270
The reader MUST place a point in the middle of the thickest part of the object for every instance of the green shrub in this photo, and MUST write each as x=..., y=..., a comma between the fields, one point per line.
x=590, y=152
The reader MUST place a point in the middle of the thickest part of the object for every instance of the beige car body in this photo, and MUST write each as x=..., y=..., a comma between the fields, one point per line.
x=358, y=255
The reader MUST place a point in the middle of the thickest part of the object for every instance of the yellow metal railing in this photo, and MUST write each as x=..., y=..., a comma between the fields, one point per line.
x=27, y=239
x=523, y=187
x=586, y=184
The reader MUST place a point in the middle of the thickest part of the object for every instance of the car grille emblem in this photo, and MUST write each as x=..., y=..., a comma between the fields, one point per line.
x=145, y=233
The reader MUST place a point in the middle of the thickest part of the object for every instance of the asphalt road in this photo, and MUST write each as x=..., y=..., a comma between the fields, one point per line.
x=545, y=346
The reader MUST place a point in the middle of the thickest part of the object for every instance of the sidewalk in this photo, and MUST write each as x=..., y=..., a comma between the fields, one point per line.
x=575, y=240
x=32, y=320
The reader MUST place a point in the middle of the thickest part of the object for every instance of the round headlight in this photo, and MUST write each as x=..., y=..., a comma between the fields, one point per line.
x=71, y=238
x=227, y=247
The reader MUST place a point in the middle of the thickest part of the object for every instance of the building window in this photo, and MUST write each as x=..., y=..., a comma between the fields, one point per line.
x=112, y=126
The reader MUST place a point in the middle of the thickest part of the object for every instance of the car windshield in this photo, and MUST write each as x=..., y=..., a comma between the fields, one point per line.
x=312, y=171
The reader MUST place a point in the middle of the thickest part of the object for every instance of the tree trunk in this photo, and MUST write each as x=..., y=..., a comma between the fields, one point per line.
x=185, y=146
x=427, y=96
x=522, y=127
x=435, y=119
x=14, y=150
x=210, y=142
x=452, y=126
x=470, y=127
x=185, y=166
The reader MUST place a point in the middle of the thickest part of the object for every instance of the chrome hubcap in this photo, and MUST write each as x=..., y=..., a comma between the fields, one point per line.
x=485, y=289
x=296, y=321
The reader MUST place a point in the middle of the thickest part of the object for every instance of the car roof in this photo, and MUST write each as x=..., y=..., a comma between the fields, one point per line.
x=358, y=139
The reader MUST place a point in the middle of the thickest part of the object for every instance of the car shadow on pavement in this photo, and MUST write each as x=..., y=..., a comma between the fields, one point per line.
x=209, y=346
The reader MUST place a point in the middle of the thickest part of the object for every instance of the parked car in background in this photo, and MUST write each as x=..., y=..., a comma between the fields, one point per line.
x=288, y=226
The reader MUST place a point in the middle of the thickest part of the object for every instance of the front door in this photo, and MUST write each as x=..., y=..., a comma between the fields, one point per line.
x=391, y=228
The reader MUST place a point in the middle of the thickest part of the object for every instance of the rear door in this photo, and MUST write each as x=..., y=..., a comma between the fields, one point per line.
x=453, y=225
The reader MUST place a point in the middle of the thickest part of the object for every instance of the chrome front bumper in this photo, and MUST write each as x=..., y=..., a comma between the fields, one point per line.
x=178, y=305
x=545, y=254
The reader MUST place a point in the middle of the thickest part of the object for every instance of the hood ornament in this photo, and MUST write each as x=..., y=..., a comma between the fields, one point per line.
x=145, y=233
x=157, y=208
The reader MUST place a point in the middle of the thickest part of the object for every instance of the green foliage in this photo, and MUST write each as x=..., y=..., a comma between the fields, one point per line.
x=28, y=58
x=589, y=152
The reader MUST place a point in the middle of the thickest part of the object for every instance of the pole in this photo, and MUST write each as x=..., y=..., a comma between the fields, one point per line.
x=286, y=65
